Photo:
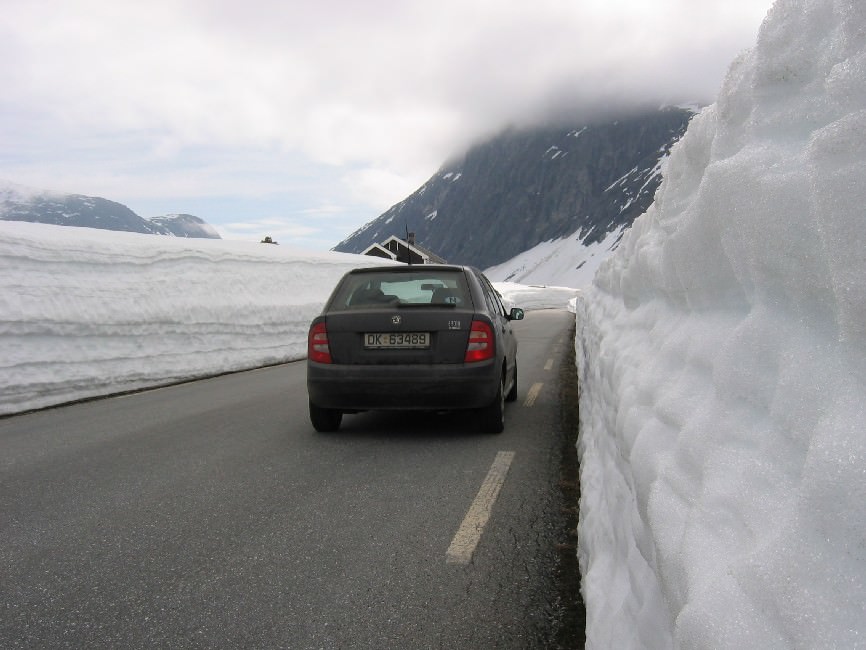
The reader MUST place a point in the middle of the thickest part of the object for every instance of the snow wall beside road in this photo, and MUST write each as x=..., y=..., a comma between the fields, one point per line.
x=722, y=355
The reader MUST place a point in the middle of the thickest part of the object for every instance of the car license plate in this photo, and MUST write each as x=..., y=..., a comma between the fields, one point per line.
x=397, y=340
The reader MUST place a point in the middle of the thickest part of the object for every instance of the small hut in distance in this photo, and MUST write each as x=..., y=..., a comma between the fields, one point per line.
x=403, y=250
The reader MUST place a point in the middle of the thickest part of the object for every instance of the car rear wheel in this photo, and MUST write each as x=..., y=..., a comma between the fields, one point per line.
x=325, y=420
x=492, y=417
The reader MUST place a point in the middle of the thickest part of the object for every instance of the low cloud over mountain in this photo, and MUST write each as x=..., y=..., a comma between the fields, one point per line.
x=526, y=187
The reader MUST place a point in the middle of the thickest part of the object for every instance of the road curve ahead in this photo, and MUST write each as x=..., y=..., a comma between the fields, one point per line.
x=211, y=515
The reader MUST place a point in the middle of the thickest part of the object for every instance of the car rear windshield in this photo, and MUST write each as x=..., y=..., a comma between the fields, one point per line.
x=387, y=289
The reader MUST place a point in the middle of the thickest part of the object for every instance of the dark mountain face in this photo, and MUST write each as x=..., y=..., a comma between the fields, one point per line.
x=20, y=204
x=77, y=210
x=526, y=187
x=185, y=225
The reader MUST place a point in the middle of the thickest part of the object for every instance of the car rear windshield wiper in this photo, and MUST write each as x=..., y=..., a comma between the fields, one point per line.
x=410, y=305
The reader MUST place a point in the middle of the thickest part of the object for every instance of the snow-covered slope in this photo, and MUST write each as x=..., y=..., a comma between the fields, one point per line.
x=722, y=357
x=566, y=262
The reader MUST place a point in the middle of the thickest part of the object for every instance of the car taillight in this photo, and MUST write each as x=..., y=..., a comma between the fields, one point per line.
x=481, y=345
x=318, y=349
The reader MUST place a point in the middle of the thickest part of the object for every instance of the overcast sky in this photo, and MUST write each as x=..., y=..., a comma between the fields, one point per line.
x=305, y=120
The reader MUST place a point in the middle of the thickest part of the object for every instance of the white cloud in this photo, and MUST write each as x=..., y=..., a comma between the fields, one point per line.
x=382, y=187
x=138, y=97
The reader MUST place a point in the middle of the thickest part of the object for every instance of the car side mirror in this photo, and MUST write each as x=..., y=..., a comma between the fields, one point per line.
x=516, y=314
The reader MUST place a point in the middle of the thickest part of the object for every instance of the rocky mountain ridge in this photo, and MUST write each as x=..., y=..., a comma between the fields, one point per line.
x=525, y=187
x=19, y=203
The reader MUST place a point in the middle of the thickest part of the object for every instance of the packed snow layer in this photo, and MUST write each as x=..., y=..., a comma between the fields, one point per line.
x=722, y=358
x=88, y=312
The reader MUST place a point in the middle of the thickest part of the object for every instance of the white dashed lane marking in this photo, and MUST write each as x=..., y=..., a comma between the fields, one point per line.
x=469, y=534
x=532, y=395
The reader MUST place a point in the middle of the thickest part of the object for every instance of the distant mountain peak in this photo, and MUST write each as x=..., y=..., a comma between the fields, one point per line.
x=186, y=225
x=21, y=203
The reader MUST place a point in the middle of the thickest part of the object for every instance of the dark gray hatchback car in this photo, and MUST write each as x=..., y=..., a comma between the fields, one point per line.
x=424, y=337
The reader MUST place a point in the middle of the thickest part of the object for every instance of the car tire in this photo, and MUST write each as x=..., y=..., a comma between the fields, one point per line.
x=325, y=420
x=492, y=417
x=512, y=394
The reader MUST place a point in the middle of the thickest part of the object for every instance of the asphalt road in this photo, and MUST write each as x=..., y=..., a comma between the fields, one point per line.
x=211, y=515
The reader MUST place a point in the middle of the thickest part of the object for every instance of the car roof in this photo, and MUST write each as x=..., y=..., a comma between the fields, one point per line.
x=405, y=268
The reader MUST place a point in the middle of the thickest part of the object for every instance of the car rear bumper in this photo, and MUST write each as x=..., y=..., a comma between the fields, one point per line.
x=424, y=387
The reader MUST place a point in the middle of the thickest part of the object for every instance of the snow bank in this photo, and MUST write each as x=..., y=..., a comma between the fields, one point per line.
x=88, y=312
x=536, y=297
x=722, y=353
